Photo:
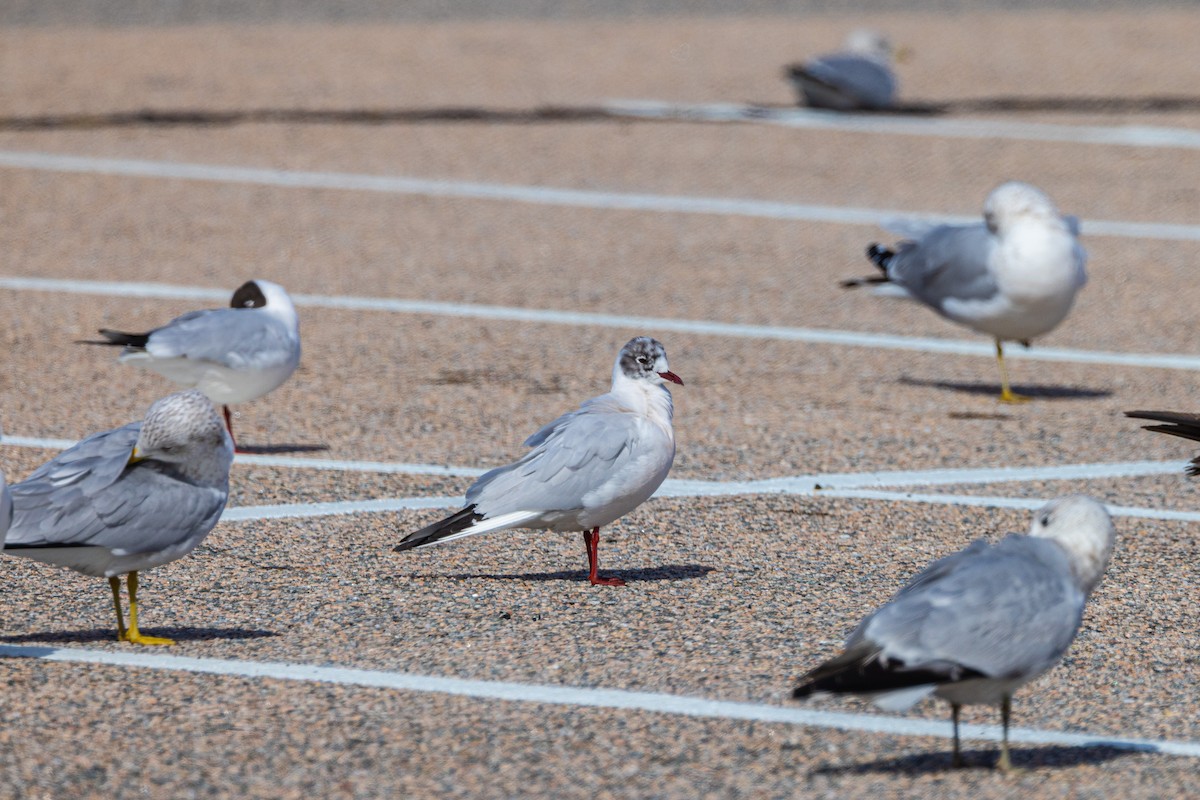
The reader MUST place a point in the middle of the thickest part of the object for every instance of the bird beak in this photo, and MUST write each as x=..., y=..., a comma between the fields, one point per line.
x=671, y=376
x=134, y=457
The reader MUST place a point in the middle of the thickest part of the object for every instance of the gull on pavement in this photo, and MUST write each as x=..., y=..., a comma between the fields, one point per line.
x=586, y=469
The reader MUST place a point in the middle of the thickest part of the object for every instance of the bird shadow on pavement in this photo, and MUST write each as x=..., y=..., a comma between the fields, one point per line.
x=541, y=114
x=274, y=449
x=1035, y=391
x=1050, y=756
x=1000, y=104
x=110, y=635
x=668, y=572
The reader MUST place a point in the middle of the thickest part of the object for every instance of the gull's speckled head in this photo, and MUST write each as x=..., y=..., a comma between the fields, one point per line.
x=645, y=359
x=179, y=425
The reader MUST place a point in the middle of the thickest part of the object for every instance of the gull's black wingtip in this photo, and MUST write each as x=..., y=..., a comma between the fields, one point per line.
x=430, y=534
x=122, y=338
x=879, y=255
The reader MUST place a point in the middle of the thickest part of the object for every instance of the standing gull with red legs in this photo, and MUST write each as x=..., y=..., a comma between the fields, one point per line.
x=587, y=468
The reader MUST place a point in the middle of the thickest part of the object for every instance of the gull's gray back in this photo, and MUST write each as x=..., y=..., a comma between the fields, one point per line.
x=1009, y=610
x=861, y=82
x=234, y=338
x=949, y=262
x=86, y=497
x=571, y=456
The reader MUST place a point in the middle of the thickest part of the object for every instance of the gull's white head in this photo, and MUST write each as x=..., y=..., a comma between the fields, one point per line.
x=869, y=43
x=1013, y=201
x=184, y=430
x=644, y=359
x=1084, y=529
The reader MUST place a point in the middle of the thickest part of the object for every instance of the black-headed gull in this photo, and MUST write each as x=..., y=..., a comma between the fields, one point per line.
x=977, y=625
x=1013, y=277
x=127, y=499
x=587, y=468
x=231, y=354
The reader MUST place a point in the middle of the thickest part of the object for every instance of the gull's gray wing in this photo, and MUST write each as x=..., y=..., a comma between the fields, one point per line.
x=232, y=337
x=571, y=457
x=845, y=81
x=949, y=262
x=84, y=468
x=1007, y=611
x=91, y=496
x=6, y=509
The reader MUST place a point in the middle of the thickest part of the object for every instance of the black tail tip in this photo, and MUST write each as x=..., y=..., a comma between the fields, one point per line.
x=879, y=255
x=801, y=692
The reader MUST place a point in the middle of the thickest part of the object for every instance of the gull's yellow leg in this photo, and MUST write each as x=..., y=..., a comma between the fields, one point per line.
x=1004, y=763
x=958, y=759
x=1007, y=395
x=132, y=635
x=114, y=583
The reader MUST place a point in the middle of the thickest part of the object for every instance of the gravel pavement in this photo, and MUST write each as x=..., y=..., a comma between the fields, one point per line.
x=730, y=596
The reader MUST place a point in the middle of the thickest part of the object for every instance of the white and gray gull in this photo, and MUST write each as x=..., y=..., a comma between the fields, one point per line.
x=858, y=78
x=231, y=354
x=587, y=468
x=975, y=626
x=1013, y=276
x=128, y=499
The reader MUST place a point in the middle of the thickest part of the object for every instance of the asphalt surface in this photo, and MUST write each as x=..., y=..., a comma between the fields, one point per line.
x=730, y=595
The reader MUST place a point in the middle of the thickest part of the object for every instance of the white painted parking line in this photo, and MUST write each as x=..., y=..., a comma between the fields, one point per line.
x=893, y=124
x=539, y=195
x=290, y=462
x=879, y=341
x=792, y=484
x=981, y=501
x=620, y=699
x=305, y=510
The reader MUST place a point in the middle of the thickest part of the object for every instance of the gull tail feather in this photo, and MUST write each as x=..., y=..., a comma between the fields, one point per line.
x=889, y=682
x=880, y=256
x=118, y=339
x=1178, y=423
x=467, y=522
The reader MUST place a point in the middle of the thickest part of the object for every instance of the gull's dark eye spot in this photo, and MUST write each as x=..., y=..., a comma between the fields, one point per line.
x=644, y=360
x=1045, y=520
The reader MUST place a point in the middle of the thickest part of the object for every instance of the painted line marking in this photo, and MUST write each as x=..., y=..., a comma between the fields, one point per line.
x=981, y=501
x=538, y=195
x=620, y=699
x=862, y=485
x=658, y=324
x=890, y=124
x=687, y=487
x=308, y=510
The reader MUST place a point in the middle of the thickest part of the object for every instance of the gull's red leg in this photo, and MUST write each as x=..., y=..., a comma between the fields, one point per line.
x=229, y=427
x=591, y=540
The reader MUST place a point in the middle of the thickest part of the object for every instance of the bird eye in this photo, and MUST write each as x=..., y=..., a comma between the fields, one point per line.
x=644, y=360
x=1045, y=520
